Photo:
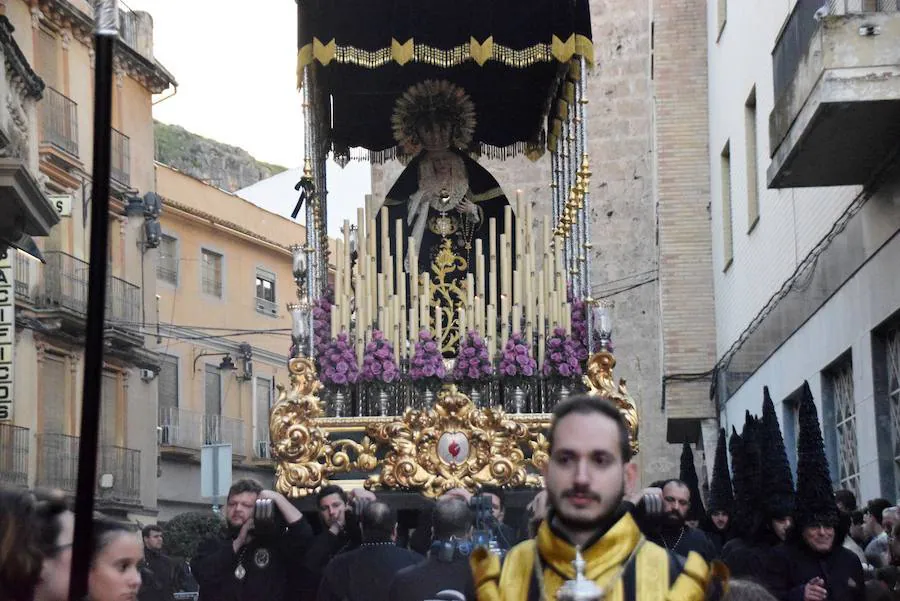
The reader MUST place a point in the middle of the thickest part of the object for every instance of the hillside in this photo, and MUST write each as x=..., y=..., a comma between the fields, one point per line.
x=227, y=167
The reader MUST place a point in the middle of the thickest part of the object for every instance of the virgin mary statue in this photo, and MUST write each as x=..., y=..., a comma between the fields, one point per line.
x=444, y=199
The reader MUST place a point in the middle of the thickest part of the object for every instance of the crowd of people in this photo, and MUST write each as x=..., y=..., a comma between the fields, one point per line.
x=758, y=539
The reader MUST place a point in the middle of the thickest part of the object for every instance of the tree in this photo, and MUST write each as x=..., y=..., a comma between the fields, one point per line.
x=184, y=532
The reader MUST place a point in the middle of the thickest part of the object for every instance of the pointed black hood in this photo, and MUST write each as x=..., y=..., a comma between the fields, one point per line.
x=815, y=502
x=721, y=497
x=745, y=463
x=688, y=475
x=777, y=481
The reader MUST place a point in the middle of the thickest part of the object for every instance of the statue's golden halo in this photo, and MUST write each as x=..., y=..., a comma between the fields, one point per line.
x=434, y=115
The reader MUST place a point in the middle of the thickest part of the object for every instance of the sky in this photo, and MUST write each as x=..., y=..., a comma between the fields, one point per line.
x=235, y=64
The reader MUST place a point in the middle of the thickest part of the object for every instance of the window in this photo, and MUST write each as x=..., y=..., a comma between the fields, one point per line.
x=53, y=394
x=168, y=383
x=727, y=232
x=893, y=393
x=263, y=407
x=212, y=390
x=167, y=268
x=790, y=418
x=752, y=168
x=265, y=292
x=212, y=273
x=48, y=58
x=109, y=408
x=841, y=423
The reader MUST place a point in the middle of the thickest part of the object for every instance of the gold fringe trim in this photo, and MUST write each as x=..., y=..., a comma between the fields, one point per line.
x=532, y=150
x=480, y=52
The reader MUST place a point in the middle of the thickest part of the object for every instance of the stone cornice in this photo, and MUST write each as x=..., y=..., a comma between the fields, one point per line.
x=16, y=63
x=222, y=222
x=63, y=15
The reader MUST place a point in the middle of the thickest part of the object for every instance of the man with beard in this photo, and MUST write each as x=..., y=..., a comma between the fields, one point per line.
x=250, y=565
x=587, y=476
x=672, y=531
x=365, y=574
x=814, y=566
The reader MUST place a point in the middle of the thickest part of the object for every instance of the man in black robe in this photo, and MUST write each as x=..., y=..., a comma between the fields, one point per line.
x=672, y=531
x=717, y=524
x=365, y=574
x=447, y=565
x=814, y=564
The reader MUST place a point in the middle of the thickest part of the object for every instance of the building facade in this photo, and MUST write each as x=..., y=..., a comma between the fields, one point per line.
x=51, y=299
x=223, y=281
x=649, y=219
x=803, y=131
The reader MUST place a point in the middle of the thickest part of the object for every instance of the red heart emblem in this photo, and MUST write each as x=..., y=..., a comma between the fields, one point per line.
x=454, y=449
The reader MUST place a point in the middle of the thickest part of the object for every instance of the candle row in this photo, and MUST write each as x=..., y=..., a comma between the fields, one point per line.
x=513, y=288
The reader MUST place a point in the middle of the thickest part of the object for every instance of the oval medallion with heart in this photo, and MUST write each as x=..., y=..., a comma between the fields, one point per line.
x=453, y=448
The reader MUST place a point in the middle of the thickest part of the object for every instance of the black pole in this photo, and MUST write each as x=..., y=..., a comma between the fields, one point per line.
x=106, y=19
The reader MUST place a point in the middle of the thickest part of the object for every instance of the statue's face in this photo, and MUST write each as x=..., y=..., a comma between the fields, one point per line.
x=443, y=165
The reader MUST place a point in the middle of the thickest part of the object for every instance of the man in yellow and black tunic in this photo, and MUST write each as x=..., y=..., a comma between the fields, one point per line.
x=587, y=478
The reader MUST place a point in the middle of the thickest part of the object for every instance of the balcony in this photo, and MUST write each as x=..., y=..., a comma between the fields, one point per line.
x=120, y=167
x=58, y=468
x=66, y=288
x=189, y=431
x=836, y=119
x=59, y=122
x=13, y=455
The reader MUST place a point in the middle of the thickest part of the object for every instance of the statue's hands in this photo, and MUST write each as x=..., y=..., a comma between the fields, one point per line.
x=469, y=208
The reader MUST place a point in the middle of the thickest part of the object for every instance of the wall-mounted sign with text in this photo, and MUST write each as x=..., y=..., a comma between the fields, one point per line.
x=62, y=203
x=7, y=331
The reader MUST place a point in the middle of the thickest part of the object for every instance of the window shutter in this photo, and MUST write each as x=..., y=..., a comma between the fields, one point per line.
x=53, y=395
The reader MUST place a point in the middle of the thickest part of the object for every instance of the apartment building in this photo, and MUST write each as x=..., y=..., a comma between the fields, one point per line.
x=224, y=280
x=55, y=37
x=804, y=126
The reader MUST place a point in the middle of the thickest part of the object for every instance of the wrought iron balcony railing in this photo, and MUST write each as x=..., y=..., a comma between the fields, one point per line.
x=59, y=121
x=120, y=168
x=13, y=455
x=58, y=468
x=192, y=430
x=66, y=283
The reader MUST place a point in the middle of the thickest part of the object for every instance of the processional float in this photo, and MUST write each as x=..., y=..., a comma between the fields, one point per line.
x=430, y=347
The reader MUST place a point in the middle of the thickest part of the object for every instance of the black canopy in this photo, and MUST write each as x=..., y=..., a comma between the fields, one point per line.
x=508, y=55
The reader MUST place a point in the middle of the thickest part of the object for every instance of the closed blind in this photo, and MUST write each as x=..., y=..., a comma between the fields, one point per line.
x=168, y=383
x=53, y=395
x=263, y=403
x=48, y=58
x=109, y=409
x=213, y=391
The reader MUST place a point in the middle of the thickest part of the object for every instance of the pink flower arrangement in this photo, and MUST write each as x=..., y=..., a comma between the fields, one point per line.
x=473, y=363
x=338, y=362
x=562, y=356
x=379, y=365
x=516, y=360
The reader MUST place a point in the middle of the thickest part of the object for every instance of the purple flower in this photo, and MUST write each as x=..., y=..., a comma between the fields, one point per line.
x=563, y=359
x=427, y=358
x=472, y=364
x=338, y=362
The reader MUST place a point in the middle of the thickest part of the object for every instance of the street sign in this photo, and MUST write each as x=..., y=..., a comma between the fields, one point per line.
x=62, y=203
x=215, y=472
x=7, y=332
